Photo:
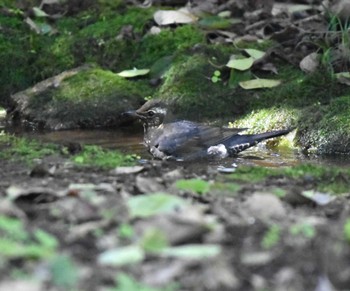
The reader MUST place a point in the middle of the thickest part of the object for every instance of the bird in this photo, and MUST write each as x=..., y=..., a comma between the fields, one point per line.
x=184, y=140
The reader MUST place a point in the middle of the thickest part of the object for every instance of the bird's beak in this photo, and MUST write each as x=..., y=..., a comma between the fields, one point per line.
x=132, y=114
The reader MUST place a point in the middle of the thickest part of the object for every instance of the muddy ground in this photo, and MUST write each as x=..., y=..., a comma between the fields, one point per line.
x=239, y=231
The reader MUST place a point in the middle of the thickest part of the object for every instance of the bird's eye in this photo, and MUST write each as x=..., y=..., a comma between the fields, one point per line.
x=150, y=113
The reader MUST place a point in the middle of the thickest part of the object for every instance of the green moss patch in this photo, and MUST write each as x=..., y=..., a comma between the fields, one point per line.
x=22, y=149
x=106, y=159
x=27, y=151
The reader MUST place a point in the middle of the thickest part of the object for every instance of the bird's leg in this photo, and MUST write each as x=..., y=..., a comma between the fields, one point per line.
x=157, y=153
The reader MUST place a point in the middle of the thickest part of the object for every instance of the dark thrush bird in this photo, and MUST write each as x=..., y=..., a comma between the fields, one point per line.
x=187, y=140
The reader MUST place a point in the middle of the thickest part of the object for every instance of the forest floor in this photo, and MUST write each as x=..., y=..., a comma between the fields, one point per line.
x=161, y=225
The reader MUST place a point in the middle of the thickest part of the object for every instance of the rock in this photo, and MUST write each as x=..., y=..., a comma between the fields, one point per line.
x=186, y=226
x=148, y=185
x=127, y=170
x=310, y=63
x=84, y=97
x=254, y=259
x=39, y=171
x=265, y=206
x=341, y=8
x=18, y=285
x=173, y=175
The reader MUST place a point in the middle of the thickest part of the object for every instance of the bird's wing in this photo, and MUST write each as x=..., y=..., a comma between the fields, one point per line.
x=209, y=135
x=183, y=138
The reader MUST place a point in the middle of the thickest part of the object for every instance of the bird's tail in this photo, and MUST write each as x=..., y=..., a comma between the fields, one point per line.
x=271, y=134
x=241, y=142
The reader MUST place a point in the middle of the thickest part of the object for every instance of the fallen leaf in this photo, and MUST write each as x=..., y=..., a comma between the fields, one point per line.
x=39, y=13
x=318, y=197
x=254, y=259
x=343, y=78
x=259, y=83
x=241, y=64
x=255, y=54
x=279, y=8
x=214, y=22
x=154, y=240
x=122, y=256
x=133, y=73
x=167, y=17
x=192, y=251
x=153, y=204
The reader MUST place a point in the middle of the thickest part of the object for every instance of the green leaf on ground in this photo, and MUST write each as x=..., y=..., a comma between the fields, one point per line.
x=255, y=54
x=195, y=185
x=241, y=64
x=17, y=242
x=238, y=76
x=154, y=240
x=347, y=230
x=214, y=22
x=271, y=237
x=305, y=229
x=153, y=204
x=126, y=231
x=39, y=12
x=126, y=282
x=64, y=273
x=122, y=256
x=259, y=84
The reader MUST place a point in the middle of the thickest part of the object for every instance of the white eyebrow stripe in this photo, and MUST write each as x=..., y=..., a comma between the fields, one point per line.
x=160, y=110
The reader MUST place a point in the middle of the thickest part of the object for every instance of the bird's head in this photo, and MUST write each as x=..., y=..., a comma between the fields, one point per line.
x=152, y=113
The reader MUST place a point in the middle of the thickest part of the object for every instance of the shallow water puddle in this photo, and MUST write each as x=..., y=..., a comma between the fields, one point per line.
x=129, y=140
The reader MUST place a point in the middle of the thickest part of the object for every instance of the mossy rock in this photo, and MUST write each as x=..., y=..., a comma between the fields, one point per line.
x=86, y=97
x=188, y=85
x=316, y=105
x=325, y=129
